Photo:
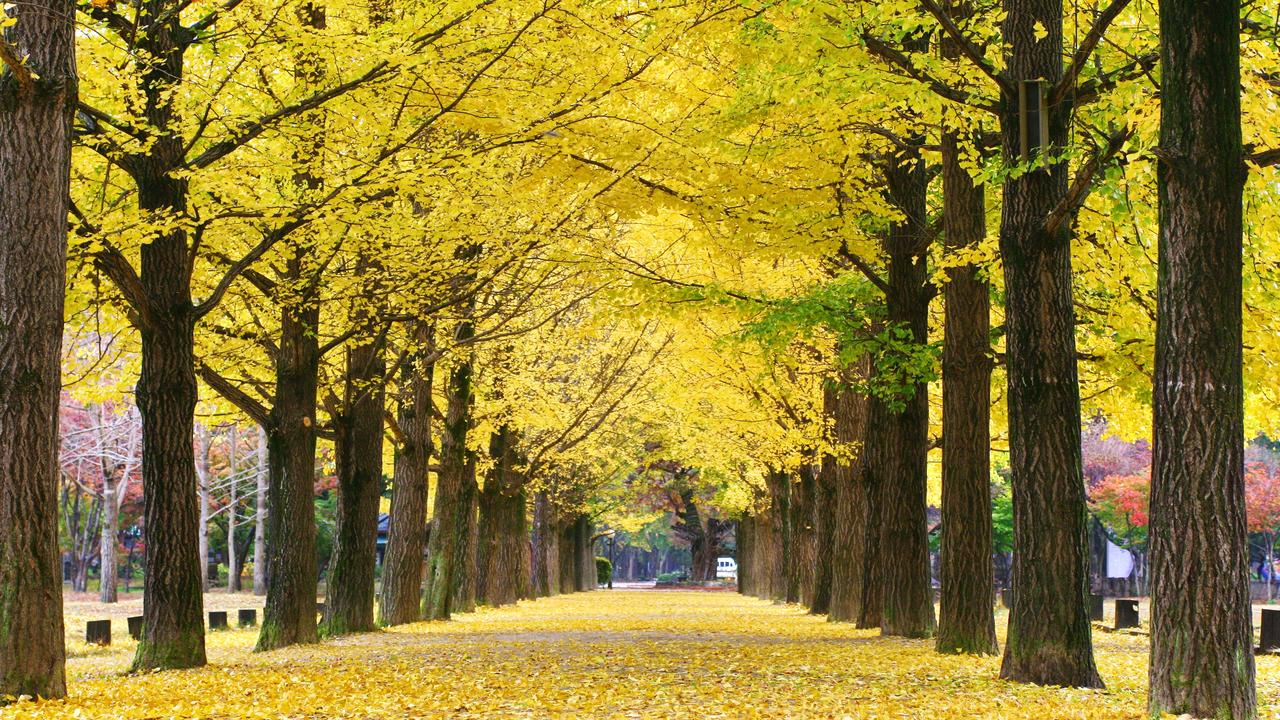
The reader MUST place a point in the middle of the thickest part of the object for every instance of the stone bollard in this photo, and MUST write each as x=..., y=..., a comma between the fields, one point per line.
x=1006, y=596
x=1095, y=608
x=1270, y=641
x=217, y=620
x=1126, y=614
x=98, y=632
x=135, y=627
x=248, y=618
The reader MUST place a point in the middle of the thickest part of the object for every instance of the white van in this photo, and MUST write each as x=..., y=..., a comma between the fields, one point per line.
x=726, y=568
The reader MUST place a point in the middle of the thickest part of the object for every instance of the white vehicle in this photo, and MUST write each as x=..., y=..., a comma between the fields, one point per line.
x=726, y=568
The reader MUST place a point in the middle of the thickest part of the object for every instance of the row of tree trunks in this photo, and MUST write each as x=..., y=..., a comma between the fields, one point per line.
x=407, y=525
x=35, y=166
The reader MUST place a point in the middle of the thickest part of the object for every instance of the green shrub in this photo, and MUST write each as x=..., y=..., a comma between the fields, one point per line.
x=669, y=577
x=604, y=571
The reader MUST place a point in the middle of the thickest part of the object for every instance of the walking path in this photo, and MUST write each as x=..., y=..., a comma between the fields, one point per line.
x=628, y=654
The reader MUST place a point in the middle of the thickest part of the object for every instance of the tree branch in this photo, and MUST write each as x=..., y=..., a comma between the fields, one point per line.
x=899, y=59
x=1085, y=50
x=234, y=395
x=9, y=55
x=1083, y=181
x=249, y=132
x=967, y=48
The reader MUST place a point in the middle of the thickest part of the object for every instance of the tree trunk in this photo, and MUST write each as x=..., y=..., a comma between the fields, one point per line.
x=202, y=476
x=746, y=553
x=289, y=617
x=1049, y=639
x=407, y=526
x=173, y=610
x=348, y=604
x=260, y=518
x=464, y=578
x=804, y=535
x=1201, y=618
x=966, y=622
x=502, y=566
x=233, y=560
x=773, y=565
x=568, y=559
x=824, y=519
x=292, y=576
x=35, y=164
x=449, y=526
x=546, y=552
x=1049, y=634
x=107, y=564
x=899, y=463
x=587, y=577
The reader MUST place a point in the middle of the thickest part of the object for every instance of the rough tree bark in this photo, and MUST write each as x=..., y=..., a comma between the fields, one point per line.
x=899, y=463
x=1201, y=619
x=348, y=603
x=37, y=100
x=449, y=526
x=502, y=568
x=289, y=617
x=568, y=559
x=586, y=554
x=773, y=566
x=464, y=572
x=407, y=526
x=1049, y=639
x=545, y=546
x=803, y=535
x=746, y=554
x=824, y=518
x=966, y=622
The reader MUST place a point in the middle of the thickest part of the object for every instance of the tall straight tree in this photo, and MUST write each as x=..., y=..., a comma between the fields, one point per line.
x=407, y=525
x=349, y=602
x=37, y=100
x=1201, y=619
x=449, y=526
x=966, y=623
x=1049, y=639
x=898, y=458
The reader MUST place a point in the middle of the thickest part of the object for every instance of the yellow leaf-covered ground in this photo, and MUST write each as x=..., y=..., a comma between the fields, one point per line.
x=603, y=654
